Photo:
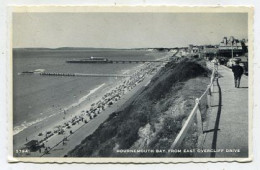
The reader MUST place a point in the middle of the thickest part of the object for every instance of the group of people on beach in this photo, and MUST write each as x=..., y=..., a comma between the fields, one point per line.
x=116, y=93
x=96, y=108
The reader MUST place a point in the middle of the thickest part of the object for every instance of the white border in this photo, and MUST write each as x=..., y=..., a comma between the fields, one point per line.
x=3, y=86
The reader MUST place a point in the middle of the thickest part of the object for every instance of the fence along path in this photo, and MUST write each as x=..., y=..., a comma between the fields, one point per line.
x=196, y=112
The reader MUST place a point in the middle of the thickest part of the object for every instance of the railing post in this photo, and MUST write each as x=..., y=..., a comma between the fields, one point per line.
x=208, y=99
x=212, y=87
x=212, y=79
x=209, y=89
x=216, y=71
x=199, y=118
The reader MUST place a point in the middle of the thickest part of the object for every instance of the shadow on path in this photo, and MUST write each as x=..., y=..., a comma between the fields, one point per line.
x=216, y=128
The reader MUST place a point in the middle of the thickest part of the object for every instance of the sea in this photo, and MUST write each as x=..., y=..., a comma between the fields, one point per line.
x=37, y=98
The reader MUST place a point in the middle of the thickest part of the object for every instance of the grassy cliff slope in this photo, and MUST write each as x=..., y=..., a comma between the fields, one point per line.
x=154, y=118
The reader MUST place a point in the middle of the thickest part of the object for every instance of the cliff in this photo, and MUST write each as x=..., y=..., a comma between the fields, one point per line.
x=154, y=118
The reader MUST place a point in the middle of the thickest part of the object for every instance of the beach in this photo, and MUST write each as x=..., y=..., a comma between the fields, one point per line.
x=85, y=130
x=78, y=119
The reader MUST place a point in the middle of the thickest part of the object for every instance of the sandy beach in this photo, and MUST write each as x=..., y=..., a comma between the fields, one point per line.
x=85, y=130
x=76, y=121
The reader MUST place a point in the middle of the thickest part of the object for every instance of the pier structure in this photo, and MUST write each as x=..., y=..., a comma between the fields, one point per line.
x=137, y=61
x=76, y=74
x=116, y=61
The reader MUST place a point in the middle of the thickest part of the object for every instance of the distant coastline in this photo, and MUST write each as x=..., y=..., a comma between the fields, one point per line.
x=89, y=48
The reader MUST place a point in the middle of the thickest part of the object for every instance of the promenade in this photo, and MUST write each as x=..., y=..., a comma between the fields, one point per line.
x=227, y=127
x=89, y=128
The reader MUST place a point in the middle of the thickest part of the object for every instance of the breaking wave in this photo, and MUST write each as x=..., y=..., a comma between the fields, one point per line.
x=52, y=112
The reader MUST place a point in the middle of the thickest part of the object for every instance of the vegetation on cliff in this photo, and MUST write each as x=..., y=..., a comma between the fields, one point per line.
x=155, y=117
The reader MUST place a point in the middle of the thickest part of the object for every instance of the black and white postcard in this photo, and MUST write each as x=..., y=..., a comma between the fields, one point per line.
x=131, y=84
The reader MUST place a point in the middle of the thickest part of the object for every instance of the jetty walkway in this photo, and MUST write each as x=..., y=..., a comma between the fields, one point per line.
x=137, y=61
x=115, y=61
x=76, y=74
x=84, y=75
x=228, y=121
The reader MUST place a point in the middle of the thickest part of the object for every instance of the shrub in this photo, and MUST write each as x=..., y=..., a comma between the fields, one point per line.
x=128, y=133
x=181, y=72
x=107, y=133
x=107, y=149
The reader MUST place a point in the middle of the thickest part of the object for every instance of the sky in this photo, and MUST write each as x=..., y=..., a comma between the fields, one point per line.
x=125, y=30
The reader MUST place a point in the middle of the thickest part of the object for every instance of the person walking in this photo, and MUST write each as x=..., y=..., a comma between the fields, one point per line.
x=238, y=72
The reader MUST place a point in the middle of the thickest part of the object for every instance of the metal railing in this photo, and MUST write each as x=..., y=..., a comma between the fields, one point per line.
x=196, y=111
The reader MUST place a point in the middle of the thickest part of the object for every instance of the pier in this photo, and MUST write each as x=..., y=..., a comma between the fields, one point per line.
x=115, y=61
x=136, y=61
x=75, y=74
x=103, y=60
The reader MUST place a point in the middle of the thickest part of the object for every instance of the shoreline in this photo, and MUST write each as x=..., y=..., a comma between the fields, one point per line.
x=57, y=110
x=85, y=104
x=74, y=109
